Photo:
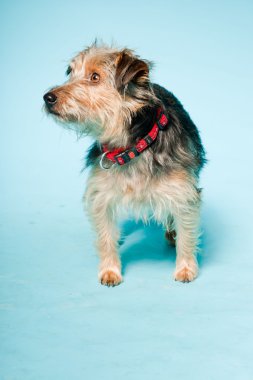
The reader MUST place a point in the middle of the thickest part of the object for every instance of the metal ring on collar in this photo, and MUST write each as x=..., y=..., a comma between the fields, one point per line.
x=101, y=163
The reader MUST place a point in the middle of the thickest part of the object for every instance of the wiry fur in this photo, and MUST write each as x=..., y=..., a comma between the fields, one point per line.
x=161, y=183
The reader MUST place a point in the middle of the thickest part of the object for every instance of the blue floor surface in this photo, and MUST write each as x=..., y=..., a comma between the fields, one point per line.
x=56, y=321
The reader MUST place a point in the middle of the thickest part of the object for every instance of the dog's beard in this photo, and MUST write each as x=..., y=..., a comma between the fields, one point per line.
x=82, y=126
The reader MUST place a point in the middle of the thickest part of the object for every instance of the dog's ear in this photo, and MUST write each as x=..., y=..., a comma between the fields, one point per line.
x=130, y=69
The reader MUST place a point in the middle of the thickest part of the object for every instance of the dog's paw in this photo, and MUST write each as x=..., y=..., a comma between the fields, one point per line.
x=186, y=274
x=110, y=278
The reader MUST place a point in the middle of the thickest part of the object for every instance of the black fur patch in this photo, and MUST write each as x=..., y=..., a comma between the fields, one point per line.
x=178, y=145
x=182, y=140
x=93, y=153
x=130, y=69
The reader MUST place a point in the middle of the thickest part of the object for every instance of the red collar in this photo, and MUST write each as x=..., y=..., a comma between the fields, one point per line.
x=123, y=155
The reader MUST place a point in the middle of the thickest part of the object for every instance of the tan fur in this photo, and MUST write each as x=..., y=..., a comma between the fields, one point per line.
x=81, y=101
x=150, y=199
x=185, y=274
x=171, y=199
x=110, y=278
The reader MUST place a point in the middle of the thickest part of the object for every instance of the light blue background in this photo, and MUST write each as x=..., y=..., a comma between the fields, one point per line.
x=57, y=322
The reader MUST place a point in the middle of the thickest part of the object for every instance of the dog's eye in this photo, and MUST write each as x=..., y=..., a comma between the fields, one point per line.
x=68, y=71
x=95, y=77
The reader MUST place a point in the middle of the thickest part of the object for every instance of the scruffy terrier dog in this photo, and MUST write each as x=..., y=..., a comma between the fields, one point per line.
x=146, y=157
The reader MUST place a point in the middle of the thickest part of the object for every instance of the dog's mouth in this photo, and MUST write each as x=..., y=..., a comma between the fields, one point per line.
x=53, y=112
x=60, y=116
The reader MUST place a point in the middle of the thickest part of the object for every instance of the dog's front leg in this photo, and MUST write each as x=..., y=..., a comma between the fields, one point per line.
x=187, y=233
x=103, y=216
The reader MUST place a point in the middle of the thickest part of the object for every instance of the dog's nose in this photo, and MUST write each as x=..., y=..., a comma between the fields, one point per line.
x=50, y=98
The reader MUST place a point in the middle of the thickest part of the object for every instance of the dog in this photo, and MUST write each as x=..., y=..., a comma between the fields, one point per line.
x=146, y=157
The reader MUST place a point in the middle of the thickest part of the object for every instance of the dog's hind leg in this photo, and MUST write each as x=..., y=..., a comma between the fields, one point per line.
x=170, y=233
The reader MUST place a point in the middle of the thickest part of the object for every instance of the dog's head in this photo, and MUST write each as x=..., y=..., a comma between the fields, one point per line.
x=105, y=88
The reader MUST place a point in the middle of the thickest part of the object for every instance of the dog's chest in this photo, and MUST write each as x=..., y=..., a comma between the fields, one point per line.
x=144, y=196
x=144, y=190
x=135, y=187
